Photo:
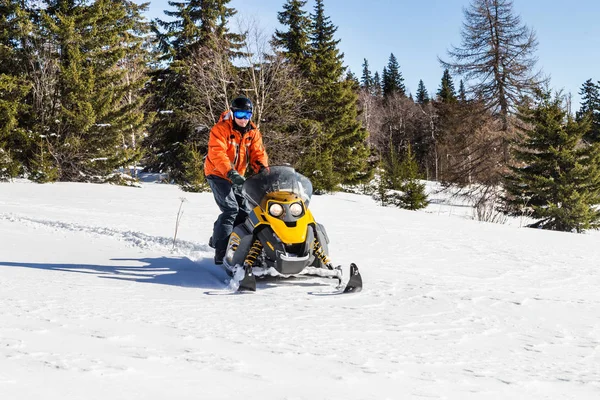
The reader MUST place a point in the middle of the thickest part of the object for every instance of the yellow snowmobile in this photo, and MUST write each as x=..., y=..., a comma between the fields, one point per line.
x=280, y=237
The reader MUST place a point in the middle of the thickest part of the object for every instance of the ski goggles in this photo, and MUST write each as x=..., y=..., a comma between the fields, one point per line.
x=242, y=114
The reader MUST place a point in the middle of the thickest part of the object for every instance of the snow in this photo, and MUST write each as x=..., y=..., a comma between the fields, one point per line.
x=96, y=304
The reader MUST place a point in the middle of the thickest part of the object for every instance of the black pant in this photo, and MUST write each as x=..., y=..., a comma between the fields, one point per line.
x=234, y=210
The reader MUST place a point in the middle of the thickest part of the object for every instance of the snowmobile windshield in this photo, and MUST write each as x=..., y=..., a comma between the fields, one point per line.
x=277, y=179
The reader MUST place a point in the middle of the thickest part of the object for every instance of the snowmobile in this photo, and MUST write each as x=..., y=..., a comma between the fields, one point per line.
x=280, y=237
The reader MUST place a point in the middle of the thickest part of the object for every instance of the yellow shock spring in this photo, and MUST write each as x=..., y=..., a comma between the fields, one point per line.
x=319, y=252
x=253, y=254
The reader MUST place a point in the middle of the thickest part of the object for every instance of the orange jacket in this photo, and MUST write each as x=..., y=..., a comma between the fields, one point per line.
x=229, y=149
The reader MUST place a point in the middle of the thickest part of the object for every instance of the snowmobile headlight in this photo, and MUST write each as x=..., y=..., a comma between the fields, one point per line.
x=296, y=209
x=276, y=209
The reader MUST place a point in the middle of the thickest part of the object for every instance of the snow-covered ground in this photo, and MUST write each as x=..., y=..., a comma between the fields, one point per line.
x=96, y=304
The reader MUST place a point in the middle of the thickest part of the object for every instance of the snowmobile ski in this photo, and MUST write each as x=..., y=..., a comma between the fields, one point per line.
x=354, y=284
x=243, y=279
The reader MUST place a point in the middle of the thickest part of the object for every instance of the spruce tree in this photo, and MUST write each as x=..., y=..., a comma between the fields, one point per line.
x=422, y=95
x=295, y=42
x=398, y=183
x=366, y=80
x=385, y=77
x=135, y=65
x=194, y=24
x=393, y=82
x=94, y=41
x=590, y=106
x=389, y=176
x=446, y=93
x=13, y=89
x=382, y=191
x=13, y=137
x=557, y=178
x=193, y=172
x=324, y=47
x=353, y=80
x=394, y=172
x=377, y=89
x=11, y=14
x=342, y=139
x=413, y=196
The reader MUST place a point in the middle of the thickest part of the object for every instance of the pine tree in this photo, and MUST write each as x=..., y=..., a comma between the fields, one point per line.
x=389, y=177
x=194, y=24
x=353, y=81
x=382, y=191
x=43, y=165
x=413, y=195
x=10, y=16
x=393, y=82
x=193, y=173
x=377, y=89
x=295, y=42
x=135, y=65
x=12, y=136
x=558, y=178
x=399, y=183
x=366, y=80
x=13, y=90
x=394, y=172
x=324, y=48
x=590, y=106
x=93, y=42
x=422, y=95
x=317, y=163
x=446, y=93
x=339, y=151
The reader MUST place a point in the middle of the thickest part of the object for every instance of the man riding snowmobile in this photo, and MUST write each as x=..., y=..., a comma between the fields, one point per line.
x=280, y=237
x=234, y=144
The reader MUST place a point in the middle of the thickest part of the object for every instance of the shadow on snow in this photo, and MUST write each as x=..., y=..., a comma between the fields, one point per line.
x=175, y=271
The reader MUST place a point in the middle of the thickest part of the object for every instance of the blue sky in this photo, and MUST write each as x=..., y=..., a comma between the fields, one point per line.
x=417, y=32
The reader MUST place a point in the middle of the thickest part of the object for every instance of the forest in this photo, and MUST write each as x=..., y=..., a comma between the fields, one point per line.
x=92, y=91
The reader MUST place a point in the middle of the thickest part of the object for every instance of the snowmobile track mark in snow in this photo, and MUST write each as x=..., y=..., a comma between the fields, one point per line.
x=134, y=238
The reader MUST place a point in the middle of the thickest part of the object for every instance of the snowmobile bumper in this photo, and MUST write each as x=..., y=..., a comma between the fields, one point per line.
x=290, y=265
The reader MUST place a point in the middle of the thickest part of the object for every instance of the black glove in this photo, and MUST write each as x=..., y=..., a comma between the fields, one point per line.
x=235, y=177
x=262, y=168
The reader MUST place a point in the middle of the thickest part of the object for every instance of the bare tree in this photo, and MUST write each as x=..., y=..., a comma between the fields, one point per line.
x=497, y=54
x=368, y=108
x=273, y=82
x=469, y=143
x=42, y=70
x=429, y=132
x=397, y=121
x=211, y=82
x=276, y=87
